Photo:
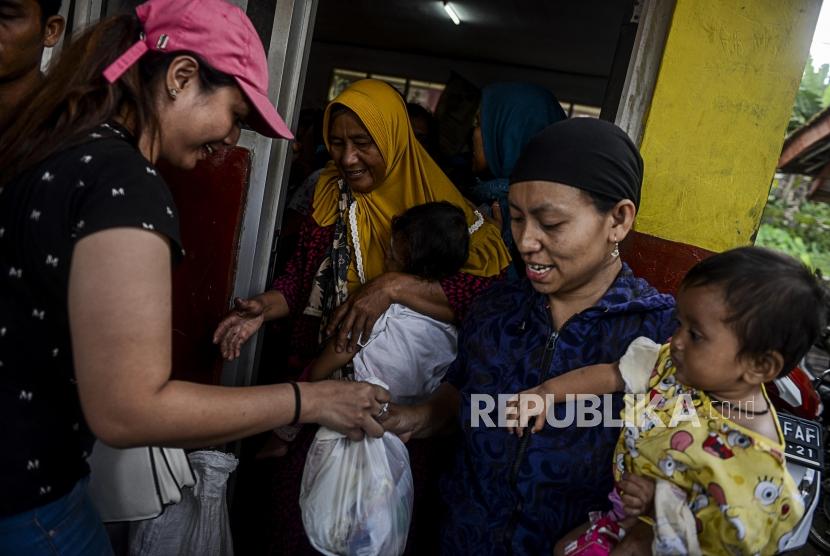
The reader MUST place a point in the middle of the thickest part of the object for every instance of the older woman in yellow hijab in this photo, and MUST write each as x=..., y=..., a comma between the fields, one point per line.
x=379, y=169
x=381, y=166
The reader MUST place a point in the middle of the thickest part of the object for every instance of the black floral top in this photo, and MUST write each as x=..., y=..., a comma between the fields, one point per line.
x=100, y=184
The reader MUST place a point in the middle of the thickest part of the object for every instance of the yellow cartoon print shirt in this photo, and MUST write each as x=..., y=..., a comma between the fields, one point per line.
x=742, y=497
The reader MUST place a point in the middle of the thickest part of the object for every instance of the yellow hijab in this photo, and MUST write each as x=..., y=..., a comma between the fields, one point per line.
x=412, y=178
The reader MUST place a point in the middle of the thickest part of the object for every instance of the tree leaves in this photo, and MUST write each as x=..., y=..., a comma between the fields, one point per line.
x=813, y=95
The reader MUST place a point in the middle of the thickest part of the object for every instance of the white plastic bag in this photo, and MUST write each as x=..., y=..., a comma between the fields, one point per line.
x=356, y=497
x=198, y=524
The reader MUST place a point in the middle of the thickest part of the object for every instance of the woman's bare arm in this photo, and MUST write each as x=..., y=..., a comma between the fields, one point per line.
x=245, y=319
x=357, y=316
x=435, y=416
x=120, y=321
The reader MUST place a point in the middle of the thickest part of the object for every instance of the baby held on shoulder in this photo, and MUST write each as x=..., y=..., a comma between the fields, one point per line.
x=357, y=497
x=701, y=455
x=407, y=351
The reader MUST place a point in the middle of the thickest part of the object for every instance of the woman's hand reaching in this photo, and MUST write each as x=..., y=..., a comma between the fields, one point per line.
x=433, y=416
x=400, y=420
x=239, y=325
x=356, y=317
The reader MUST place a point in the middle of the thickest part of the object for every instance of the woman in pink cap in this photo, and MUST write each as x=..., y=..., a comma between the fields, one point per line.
x=88, y=235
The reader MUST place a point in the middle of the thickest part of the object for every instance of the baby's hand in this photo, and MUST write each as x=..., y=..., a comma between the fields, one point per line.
x=525, y=405
x=637, y=494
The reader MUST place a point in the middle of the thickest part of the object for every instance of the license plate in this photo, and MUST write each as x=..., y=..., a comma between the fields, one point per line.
x=803, y=440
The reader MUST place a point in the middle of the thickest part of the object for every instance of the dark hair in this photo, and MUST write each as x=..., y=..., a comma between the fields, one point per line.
x=75, y=98
x=48, y=8
x=435, y=239
x=775, y=303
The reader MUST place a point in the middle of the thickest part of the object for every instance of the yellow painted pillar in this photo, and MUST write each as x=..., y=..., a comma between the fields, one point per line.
x=722, y=100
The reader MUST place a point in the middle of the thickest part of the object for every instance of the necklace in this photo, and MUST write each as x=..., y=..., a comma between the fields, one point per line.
x=358, y=254
x=741, y=410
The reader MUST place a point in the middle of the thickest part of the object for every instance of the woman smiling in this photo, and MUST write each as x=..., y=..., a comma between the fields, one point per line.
x=573, y=196
x=337, y=282
x=88, y=235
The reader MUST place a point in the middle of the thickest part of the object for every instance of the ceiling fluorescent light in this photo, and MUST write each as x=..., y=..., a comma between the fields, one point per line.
x=451, y=12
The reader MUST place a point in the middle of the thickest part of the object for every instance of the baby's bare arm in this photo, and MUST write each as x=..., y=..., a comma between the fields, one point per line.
x=604, y=378
x=594, y=379
x=328, y=362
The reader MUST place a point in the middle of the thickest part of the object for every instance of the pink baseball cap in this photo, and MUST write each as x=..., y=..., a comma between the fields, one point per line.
x=222, y=35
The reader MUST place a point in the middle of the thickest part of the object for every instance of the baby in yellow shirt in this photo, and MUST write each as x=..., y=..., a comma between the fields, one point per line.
x=701, y=455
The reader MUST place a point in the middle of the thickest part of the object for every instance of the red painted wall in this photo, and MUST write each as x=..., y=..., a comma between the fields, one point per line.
x=211, y=201
x=663, y=263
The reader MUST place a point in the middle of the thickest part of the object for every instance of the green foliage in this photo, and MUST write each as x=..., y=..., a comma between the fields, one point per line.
x=790, y=223
x=781, y=239
x=813, y=95
x=802, y=231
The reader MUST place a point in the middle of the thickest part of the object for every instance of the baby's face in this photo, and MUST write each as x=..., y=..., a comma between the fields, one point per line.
x=704, y=348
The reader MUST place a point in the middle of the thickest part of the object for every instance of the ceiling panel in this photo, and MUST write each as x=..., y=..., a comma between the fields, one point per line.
x=574, y=36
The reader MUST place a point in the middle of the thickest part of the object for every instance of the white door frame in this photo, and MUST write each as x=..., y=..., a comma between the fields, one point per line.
x=644, y=65
x=287, y=61
x=288, y=51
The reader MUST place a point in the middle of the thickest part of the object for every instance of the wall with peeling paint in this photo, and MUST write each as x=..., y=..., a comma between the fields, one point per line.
x=727, y=80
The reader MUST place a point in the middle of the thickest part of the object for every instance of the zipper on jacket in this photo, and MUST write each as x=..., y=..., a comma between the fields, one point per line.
x=509, y=529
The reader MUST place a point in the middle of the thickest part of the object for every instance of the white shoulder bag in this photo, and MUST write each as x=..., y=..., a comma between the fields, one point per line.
x=137, y=483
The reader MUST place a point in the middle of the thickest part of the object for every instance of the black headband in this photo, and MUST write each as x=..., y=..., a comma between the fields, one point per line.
x=585, y=153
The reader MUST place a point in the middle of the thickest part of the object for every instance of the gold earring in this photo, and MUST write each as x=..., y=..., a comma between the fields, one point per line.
x=173, y=92
x=616, y=252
